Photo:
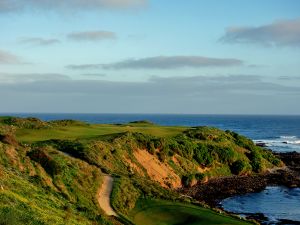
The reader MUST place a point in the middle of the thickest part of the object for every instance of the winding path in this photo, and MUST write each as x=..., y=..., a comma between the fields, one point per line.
x=103, y=195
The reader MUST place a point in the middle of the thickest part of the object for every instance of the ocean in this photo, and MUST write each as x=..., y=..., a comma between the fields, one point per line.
x=280, y=133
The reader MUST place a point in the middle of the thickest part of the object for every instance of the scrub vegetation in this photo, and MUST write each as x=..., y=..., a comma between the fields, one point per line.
x=50, y=172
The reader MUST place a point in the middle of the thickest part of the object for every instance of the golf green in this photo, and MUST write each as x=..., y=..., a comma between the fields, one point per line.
x=158, y=212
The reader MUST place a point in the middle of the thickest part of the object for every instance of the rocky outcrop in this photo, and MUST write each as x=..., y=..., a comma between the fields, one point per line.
x=217, y=189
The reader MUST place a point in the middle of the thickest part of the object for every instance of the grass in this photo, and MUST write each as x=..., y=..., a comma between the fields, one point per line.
x=160, y=212
x=50, y=171
x=34, y=194
x=90, y=131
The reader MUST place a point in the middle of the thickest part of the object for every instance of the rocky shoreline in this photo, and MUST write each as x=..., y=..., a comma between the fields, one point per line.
x=215, y=190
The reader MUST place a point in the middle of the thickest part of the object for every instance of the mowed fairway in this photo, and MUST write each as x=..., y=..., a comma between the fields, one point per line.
x=158, y=212
x=93, y=130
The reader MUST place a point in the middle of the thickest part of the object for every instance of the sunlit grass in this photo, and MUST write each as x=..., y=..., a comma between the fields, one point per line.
x=78, y=132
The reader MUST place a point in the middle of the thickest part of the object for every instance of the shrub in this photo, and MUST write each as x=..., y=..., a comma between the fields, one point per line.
x=237, y=167
x=270, y=157
x=9, y=139
x=202, y=155
x=225, y=154
x=47, y=162
x=255, y=160
x=124, y=195
x=187, y=180
x=241, y=140
x=199, y=176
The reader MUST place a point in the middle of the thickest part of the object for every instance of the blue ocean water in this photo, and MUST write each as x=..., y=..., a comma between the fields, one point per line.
x=276, y=203
x=280, y=133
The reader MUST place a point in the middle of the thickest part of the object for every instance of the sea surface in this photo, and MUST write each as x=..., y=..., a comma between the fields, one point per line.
x=276, y=203
x=279, y=133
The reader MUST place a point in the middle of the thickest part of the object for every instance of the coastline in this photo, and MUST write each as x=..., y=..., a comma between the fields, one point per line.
x=218, y=189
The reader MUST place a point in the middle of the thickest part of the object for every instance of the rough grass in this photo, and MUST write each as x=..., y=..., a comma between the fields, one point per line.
x=159, y=212
x=40, y=194
x=50, y=172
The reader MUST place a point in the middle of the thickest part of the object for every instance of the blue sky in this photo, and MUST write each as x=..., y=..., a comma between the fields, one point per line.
x=150, y=56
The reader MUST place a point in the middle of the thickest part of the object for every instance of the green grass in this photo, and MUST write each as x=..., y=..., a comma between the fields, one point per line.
x=159, y=212
x=52, y=175
x=90, y=131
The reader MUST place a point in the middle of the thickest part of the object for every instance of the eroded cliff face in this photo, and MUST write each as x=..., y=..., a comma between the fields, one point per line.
x=158, y=171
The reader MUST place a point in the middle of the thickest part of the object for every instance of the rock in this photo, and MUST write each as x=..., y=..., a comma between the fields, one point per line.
x=261, y=144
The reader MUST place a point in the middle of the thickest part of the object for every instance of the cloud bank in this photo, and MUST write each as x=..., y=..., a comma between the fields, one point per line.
x=9, y=58
x=163, y=62
x=11, y=78
x=67, y=5
x=92, y=35
x=198, y=94
x=280, y=33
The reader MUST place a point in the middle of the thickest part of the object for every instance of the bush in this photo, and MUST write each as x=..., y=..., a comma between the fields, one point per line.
x=124, y=195
x=199, y=176
x=255, y=160
x=238, y=166
x=9, y=139
x=225, y=154
x=202, y=155
x=187, y=180
x=242, y=141
x=268, y=155
x=47, y=162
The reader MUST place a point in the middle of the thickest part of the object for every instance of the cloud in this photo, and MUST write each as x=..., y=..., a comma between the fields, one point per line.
x=163, y=62
x=198, y=94
x=155, y=86
x=280, y=33
x=68, y=5
x=11, y=78
x=39, y=41
x=292, y=78
x=93, y=74
x=92, y=36
x=9, y=58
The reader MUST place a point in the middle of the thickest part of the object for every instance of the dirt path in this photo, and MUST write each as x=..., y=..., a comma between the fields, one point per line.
x=103, y=195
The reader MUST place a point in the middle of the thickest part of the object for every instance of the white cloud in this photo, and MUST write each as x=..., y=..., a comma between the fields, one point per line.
x=9, y=58
x=98, y=35
x=164, y=62
x=280, y=33
x=68, y=5
x=36, y=41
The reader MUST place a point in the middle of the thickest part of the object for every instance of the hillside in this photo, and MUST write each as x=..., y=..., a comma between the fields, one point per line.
x=51, y=172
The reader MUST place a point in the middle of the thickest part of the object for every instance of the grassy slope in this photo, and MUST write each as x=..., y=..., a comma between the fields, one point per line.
x=32, y=193
x=63, y=183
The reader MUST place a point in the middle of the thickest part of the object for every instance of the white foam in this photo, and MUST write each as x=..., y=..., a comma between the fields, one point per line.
x=282, y=143
x=288, y=137
x=293, y=142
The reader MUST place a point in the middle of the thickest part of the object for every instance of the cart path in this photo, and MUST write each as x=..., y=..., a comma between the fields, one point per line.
x=103, y=195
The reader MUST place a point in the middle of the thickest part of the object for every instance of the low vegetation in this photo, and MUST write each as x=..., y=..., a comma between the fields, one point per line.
x=50, y=172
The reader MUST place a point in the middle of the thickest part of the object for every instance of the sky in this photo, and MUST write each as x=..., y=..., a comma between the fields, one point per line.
x=150, y=56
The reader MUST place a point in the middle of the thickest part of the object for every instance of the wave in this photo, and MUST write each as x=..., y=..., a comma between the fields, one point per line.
x=288, y=137
x=296, y=142
x=282, y=143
